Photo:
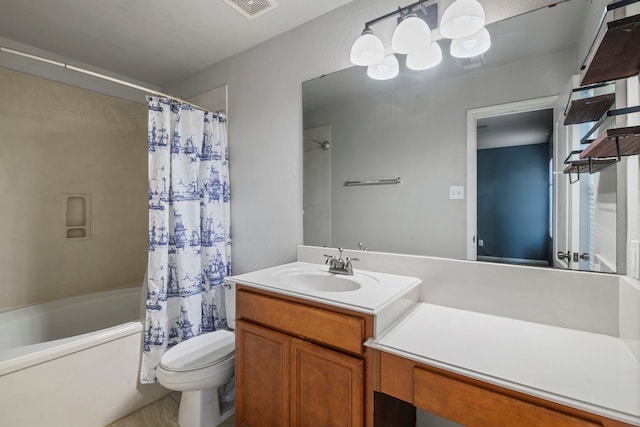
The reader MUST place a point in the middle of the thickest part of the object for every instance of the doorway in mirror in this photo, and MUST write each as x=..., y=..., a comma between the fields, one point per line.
x=514, y=188
x=510, y=182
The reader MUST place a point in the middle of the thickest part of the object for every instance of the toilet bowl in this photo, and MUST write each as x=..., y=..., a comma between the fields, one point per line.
x=200, y=368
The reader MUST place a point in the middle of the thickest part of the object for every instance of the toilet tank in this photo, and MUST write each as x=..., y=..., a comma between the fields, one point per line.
x=230, y=304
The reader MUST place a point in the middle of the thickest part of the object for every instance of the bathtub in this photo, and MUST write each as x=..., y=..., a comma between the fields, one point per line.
x=73, y=362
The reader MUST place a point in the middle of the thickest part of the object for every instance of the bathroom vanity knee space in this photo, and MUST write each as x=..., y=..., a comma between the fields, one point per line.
x=300, y=363
x=470, y=402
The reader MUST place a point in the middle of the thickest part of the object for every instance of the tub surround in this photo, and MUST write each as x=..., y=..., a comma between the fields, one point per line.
x=58, y=139
x=556, y=326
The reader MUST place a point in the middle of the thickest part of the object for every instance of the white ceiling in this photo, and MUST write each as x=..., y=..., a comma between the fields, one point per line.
x=155, y=41
x=532, y=127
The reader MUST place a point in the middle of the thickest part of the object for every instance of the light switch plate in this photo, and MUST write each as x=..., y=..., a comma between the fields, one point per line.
x=456, y=193
x=635, y=259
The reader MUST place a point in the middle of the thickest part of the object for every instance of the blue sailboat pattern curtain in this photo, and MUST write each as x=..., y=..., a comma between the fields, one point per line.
x=189, y=227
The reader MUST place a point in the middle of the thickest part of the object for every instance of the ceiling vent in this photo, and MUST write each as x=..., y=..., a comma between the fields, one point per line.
x=252, y=8
x=471, y=63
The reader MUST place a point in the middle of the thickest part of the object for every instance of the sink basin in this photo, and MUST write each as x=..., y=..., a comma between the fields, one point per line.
x=323, y=281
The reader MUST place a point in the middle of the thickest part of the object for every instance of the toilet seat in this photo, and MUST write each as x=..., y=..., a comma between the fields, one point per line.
x=199, y=352
x=202, y=362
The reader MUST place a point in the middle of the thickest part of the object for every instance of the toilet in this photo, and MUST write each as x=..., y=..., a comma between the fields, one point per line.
x=200, y=368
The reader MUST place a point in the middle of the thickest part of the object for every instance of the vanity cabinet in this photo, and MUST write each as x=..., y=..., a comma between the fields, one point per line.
x=300, y=363
x=474, y=403
x=263, y=372
x=327, y=387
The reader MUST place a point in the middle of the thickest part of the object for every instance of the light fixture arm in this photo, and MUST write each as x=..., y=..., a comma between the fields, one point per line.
x=463, y=22
x=406, y=10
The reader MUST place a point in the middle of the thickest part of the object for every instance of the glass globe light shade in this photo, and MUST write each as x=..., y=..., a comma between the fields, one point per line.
x=386, y=69
x=462, y=18
x=424, y=58
x=367, y=49
x=412, y=33
x=473, y=45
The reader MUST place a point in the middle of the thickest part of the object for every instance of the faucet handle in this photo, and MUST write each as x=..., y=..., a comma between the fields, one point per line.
x=348, y=266
x=328, y=258
x=348, y=261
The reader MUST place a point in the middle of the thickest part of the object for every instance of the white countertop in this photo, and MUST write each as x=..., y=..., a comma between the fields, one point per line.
x=372, y=298
x=584, y=370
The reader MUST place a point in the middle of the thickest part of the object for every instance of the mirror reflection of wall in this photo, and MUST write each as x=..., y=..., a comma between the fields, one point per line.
x=415, y=127
x=317, y=185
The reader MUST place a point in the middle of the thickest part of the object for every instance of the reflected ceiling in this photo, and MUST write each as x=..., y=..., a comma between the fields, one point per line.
x=511, y=42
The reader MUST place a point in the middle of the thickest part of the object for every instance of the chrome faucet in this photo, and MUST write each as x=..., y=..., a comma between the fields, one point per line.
x=339, y=265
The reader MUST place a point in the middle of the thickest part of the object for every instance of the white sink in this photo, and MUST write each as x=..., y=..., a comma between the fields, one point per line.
x=323, y=281
x=387, y=296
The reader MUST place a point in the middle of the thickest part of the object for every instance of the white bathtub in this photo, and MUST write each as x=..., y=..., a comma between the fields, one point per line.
x=73, y=362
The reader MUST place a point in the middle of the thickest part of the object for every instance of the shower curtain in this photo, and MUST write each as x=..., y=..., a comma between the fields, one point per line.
x=189, y=227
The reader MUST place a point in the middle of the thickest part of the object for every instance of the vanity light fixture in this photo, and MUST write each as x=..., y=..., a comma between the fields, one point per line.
x=367, y=49
x=463, y=22
x=462, y=18
x=412, y=34
x=471, y=45
x=424, y=58
x=386, y=69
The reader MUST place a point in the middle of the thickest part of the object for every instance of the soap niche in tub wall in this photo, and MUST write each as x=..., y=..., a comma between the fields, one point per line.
x=76, y=216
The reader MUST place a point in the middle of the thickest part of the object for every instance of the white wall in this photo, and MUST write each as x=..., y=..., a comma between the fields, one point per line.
x=420, y=135
x=212, y=100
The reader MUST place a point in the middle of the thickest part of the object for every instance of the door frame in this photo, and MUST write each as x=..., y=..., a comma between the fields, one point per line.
x=473, y=116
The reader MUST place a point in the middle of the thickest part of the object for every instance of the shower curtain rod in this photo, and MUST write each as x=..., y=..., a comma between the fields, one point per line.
x=94, y=74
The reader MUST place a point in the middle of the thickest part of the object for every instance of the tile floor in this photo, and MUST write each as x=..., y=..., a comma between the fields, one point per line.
x=161, y=413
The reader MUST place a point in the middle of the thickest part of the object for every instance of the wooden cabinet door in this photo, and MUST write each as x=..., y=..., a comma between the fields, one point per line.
x=326, y=387
x=262, y=376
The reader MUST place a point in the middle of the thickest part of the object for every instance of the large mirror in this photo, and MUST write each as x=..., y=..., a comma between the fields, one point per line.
x=464, y=160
